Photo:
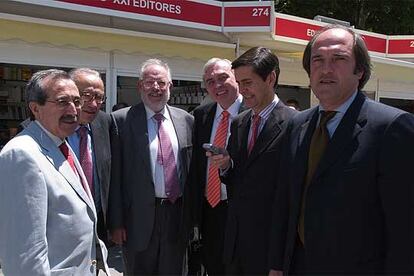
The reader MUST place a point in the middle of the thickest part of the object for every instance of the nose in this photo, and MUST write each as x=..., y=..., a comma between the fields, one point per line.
x=327, y=67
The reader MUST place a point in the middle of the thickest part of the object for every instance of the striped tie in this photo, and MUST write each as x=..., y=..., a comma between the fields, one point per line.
x=214, y=182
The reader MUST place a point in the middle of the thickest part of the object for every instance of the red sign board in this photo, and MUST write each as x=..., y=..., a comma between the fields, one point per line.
x=295, y=29
x=375, y=44
x=301, y=30
x=197, y=12
x=253, y=16
x=401, y=46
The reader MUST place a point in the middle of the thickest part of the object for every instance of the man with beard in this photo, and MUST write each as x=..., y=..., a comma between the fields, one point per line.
x=148, y=201
x=47, y=211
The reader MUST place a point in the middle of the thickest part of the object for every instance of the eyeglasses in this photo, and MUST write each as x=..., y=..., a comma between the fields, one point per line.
x=150, y=83
x=88, y=97
x=65, y=102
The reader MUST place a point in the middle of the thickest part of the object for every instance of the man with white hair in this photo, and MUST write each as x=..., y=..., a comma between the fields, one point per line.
x=151, y=150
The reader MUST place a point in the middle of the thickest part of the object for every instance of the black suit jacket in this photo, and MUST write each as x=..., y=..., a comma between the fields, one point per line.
x=102, y=151
x=132, y=193
x=252, y=183
x=203, y=124
x=358, y=213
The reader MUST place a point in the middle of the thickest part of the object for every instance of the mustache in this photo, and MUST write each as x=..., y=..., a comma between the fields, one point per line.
x=69, y=118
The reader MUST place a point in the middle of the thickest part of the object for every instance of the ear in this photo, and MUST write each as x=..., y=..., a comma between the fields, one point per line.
x=34, y=107
x=139, y=85
x=272, y=78
x=359, y=74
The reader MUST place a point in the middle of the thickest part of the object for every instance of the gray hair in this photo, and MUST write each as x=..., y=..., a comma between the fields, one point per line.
x=154, y=61
x=36, y=90
x=212, y=62
x=75, y=73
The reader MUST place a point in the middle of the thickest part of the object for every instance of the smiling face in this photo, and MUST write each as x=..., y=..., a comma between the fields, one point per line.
x=257, y=93
x=59, y=120
x=332, y=68
x=93, y=85
x=154, y=87
x=221, y=84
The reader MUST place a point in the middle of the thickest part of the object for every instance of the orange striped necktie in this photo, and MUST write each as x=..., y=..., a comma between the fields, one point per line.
x=214, y=182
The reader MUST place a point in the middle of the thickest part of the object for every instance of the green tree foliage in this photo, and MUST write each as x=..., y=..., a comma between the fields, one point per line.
x=392, y=17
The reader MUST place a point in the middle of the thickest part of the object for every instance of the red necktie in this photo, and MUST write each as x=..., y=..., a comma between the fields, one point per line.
x=214, y=182
x=255, y=131
x=65, y=150
x=69, y=157
x=165, y=157
x=85, y=157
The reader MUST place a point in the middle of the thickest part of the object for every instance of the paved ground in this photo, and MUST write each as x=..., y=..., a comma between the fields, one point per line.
x=114, y=261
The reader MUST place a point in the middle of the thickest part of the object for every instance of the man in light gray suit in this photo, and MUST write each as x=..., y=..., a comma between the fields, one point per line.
x=148, y=201
x=48, y=218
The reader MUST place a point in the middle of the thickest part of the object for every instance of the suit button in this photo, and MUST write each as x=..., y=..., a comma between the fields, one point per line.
x=94, y=262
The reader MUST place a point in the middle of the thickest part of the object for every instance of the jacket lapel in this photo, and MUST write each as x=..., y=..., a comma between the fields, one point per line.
x=139, y=128
x=243, y=134
x=56, y=158
x=270, y=131
x=181, y=131
x=207, y=121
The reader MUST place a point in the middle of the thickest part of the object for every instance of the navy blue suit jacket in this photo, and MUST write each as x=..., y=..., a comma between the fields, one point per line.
x=358, y=213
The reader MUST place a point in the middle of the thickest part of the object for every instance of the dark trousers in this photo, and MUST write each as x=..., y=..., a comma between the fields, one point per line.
x=165, y=252
x=212, y=233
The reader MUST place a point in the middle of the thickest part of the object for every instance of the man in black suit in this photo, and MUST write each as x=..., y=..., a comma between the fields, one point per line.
x=148, y=203
x=250, y=174
x=97, y=124
x=344, y=205
x=210, y=216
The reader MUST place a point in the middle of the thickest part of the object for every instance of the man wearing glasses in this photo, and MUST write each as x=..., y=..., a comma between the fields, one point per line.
x=90, y=141
x=151, y=151
x=48, y=216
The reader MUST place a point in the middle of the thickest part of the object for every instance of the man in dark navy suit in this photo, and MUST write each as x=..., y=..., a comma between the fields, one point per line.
x=344, y=205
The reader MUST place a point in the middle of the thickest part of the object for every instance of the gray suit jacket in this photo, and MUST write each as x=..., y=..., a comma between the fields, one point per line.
x=48, y=221
x=132, y=193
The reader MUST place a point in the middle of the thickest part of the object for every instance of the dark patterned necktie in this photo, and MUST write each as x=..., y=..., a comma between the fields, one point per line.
x=319, y=142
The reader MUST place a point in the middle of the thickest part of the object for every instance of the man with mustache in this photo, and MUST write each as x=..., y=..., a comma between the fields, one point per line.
x=48, y=215
x=148, y=201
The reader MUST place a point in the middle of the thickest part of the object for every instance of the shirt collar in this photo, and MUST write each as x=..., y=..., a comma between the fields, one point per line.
x=54, y=138
x=233, y=108
x=266, y=111
x=151, y=113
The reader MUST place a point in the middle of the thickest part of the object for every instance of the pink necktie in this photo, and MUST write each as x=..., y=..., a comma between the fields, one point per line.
x=165, y=157
x=214, y=182
x=255, y=131
x=85, y=157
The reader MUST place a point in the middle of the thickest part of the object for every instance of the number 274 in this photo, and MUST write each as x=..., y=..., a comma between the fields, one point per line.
x=260, y=12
